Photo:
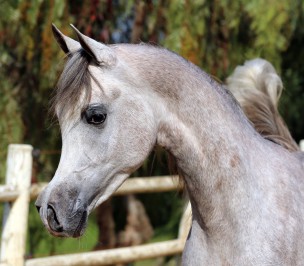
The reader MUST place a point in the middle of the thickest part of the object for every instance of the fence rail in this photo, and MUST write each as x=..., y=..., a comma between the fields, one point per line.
x=114, y=256
x=134, y=185
x=17, y=193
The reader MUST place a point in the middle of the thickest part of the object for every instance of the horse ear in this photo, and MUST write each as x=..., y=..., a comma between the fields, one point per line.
x=67, y=44
x=101, y=53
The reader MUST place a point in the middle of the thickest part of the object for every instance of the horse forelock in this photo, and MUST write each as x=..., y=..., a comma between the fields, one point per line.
x=74, y=88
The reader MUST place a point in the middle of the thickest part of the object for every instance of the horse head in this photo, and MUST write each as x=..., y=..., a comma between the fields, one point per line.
x=108, y=129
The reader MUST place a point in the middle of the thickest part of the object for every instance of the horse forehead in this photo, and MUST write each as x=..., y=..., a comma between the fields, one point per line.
x=105, y=82
x=112, y=83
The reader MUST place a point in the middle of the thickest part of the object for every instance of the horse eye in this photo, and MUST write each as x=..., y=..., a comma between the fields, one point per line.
x=96, y=119
x=95, y=114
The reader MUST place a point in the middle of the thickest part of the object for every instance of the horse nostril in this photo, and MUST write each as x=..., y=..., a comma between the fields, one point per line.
x=53, y=219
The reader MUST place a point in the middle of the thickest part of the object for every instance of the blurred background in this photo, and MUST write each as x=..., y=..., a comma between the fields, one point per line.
x=217, y=35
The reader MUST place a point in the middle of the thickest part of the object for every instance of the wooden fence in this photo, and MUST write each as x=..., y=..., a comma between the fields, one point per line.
x=18, y=192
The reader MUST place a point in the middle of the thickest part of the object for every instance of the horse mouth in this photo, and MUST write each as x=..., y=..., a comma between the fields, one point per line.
x=81, y=225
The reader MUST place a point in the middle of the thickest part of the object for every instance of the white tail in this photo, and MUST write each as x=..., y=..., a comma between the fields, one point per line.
x=254, y=77
x=258, y=88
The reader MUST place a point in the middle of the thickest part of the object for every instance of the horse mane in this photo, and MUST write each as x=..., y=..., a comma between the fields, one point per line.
x=258, y=88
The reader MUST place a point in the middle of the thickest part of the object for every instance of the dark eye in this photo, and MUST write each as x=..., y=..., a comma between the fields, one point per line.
x=96, y=119
x=95, y=114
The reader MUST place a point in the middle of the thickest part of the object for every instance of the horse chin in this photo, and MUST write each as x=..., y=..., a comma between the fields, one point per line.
x=56, y=234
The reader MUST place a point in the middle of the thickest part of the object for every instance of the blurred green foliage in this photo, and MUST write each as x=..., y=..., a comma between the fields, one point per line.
x=217, y=35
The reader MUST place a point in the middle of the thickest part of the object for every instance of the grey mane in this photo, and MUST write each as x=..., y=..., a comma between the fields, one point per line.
x=258, y=88
x=267, y=121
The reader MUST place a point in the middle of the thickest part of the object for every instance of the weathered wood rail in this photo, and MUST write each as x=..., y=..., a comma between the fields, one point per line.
x=18, y=192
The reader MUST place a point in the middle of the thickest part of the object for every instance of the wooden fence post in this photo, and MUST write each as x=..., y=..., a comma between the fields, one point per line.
x=15, y=219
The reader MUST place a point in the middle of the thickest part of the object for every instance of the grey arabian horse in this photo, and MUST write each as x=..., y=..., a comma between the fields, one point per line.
x=115, y=103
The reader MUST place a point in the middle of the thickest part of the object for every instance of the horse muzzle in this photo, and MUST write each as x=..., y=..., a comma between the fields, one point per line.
x=62, y=217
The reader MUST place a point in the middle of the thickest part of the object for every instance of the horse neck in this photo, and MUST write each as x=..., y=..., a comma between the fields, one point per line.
x=209, y=136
